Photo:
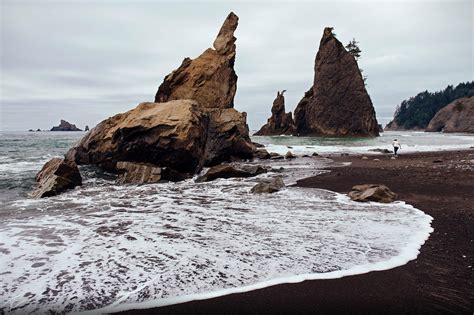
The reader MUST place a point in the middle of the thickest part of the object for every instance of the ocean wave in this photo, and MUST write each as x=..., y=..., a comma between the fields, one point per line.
x=104, y=247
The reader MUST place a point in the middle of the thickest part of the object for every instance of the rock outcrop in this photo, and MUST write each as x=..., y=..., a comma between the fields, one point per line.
x=55, y=177
x=144, y=173
x=227, y=136
x=280, y=123
x=371, y=192
x=455, y=117
x=170, y=134
x=65, y=126
x=191, y=125
x=209, y=79
x=230, y=171
x=337, y=104
x=276, y=184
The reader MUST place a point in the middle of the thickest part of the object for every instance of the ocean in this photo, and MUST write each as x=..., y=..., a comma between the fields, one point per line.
x=104, y=247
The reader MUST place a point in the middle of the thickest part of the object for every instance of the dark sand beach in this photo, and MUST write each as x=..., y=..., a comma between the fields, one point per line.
x=440, y=280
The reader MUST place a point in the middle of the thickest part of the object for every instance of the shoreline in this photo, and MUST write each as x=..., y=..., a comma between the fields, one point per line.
x=438, y=280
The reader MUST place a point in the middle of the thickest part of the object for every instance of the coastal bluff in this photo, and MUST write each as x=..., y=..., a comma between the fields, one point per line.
x=458, y=116
x=338, y=103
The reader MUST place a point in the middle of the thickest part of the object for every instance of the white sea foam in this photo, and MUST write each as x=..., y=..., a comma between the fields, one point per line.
x=107, y=248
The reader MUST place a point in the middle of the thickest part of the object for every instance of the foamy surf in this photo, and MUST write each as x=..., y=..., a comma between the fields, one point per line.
x=105, y=248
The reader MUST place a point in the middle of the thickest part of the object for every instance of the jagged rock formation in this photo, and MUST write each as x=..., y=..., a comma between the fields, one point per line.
x=337, y=104
x=209, y=79
x=456, y=117
x=280, y=123
x=192, y=126
x=65, y=126
x=55, y=177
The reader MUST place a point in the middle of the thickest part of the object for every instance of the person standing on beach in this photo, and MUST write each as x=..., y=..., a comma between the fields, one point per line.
x=396, y=146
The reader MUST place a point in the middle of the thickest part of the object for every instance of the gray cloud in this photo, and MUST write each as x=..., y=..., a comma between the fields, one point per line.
x=87, y=60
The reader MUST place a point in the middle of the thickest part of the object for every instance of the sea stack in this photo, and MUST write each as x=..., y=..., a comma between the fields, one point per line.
x=338, y=103
x=280, y=123
x=209, y=79
x=65, y=126
x=192, y=124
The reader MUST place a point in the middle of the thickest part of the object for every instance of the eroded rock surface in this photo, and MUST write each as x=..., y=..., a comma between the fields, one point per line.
x=280, y=123
x=171, y=134
x=337, y=104
x=209, y=79
x=458, y=116
x=55, y=177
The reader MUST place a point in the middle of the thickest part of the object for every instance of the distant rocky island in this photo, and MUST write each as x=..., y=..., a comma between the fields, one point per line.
x=337, y=104
x=65, y=126
x=417, y=112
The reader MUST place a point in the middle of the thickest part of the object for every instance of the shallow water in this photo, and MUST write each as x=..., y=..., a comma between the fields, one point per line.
x=411, y=141
x=112, y=246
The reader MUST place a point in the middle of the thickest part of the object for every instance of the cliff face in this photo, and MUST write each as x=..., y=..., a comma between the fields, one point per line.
x=458, y=116
x=209, y=79
x=280, y=122
x=337, y=104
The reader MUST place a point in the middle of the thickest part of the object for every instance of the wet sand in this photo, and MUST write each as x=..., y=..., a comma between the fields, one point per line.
x=440, y=280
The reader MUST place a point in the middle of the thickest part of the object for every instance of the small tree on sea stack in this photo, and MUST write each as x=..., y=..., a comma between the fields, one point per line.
x=353, y=48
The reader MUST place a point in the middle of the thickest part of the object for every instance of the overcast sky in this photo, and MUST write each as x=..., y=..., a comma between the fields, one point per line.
x=84, y=61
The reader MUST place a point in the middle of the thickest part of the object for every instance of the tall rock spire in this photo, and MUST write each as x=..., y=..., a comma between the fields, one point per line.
x=209, y=79
x=337, y=104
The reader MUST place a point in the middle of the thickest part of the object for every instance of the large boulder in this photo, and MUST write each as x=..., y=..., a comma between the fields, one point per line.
x=209, y=79
x=55, y=177
x=227, y=137
x=276, y=184
x=458, y=116
x=65, y=126
x=171, y=134
x=280, y=123
x=230, y=171
x=371, y=192
x=338, y=103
